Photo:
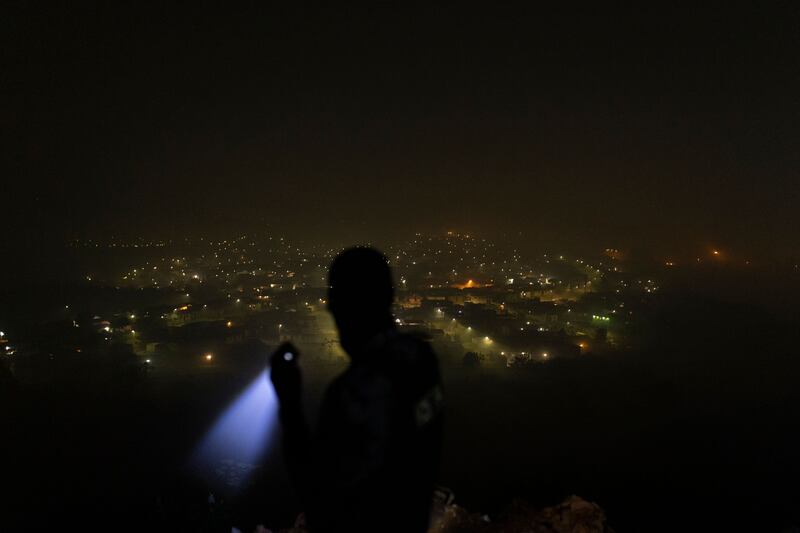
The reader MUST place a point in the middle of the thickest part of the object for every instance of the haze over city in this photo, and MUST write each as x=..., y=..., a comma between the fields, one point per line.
x=665, y=131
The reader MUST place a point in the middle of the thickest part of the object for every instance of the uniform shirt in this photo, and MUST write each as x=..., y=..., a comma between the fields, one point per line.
x=375, y=454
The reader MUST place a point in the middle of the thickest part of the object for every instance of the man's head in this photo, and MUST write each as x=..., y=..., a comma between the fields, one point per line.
x=360, y=295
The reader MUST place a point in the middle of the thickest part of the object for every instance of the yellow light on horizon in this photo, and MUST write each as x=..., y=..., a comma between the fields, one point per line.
x=209, y=357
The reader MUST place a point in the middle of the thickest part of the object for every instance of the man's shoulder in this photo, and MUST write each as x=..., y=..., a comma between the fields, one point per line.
x=401, y=360
x=408, y=348
x=411, y=364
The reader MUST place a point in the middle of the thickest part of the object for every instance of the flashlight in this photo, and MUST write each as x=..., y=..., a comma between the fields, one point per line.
x=243, y=432
x=241, y=436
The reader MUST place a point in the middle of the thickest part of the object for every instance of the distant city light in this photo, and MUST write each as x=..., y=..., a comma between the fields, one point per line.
x=209, y=357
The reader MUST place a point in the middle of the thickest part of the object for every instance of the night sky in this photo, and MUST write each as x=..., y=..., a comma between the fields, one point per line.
x=667, y=132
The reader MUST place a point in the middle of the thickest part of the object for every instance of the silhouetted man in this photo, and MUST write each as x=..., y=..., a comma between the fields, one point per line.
x=371, y=464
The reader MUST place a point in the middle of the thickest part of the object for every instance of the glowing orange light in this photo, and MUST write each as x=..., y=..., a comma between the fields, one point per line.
x=470, y=284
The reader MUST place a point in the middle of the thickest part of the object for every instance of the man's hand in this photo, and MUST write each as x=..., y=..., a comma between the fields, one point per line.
x=285, y=375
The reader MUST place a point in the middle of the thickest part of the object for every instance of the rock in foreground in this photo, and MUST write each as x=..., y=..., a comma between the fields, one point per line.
x=573, y=515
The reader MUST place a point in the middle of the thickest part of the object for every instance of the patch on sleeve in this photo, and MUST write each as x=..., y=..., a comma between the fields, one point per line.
x=429, y=406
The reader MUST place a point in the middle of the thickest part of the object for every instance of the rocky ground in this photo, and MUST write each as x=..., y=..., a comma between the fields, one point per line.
x=573, y=515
